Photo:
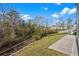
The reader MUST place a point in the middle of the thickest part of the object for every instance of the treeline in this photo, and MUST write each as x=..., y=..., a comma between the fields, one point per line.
x=14, y=29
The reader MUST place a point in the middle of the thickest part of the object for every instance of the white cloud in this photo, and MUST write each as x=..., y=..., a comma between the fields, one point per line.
x=65, y=10
x=74, y=10
x=45, y=8
x=55, y=15
x=26, y=17
x=58, y=3
x=57, y=21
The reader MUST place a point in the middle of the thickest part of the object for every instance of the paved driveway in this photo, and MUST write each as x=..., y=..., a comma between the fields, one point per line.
x=66, y=45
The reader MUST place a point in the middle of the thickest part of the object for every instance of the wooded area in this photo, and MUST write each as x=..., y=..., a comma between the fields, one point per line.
x=13, y=29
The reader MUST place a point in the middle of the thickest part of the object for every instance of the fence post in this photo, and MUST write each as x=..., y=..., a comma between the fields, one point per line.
x=78, y=27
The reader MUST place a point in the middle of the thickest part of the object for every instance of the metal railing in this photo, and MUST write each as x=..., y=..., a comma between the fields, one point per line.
x=15, y=48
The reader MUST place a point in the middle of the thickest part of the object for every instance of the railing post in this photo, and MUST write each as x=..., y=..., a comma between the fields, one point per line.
x=78, y=27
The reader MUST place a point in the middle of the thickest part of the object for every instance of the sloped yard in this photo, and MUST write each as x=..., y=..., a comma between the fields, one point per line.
x=40, y=48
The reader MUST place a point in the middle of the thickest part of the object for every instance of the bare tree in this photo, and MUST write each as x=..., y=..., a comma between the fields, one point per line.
x=62, y=25
x=69, y=23
x=14, y=18
x=3, y=10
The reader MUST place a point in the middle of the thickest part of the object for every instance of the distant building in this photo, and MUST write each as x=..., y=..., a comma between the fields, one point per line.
x=64, y=27
x=57, y=27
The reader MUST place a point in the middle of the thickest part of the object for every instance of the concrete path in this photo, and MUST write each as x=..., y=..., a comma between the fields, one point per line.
x=66, y=45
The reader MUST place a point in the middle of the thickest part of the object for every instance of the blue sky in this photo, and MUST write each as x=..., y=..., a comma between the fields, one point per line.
x=52, y=11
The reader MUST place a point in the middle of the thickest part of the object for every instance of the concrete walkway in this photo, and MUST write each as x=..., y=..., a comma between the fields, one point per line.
x=66, y=45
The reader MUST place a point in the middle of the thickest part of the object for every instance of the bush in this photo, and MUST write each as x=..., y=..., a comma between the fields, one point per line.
x=36, y=37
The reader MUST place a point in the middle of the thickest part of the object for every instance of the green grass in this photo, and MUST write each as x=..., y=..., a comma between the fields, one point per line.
x=40, y=48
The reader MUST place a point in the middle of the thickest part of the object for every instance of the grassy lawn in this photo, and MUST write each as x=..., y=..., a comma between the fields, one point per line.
x=40, y=48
